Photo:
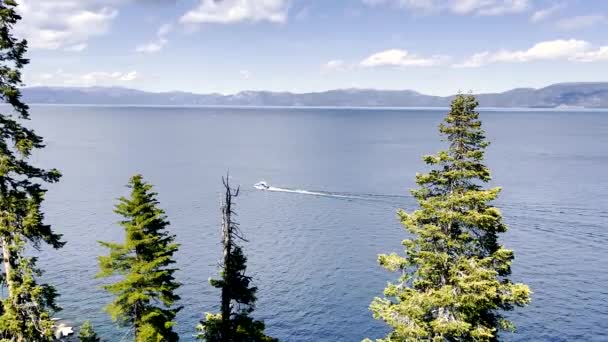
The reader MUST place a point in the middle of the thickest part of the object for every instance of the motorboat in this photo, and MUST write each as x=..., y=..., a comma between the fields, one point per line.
x=261, y=185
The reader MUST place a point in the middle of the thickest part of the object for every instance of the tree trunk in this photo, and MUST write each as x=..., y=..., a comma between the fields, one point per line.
x=136, y=320
x=227, y=242
x=8, y=266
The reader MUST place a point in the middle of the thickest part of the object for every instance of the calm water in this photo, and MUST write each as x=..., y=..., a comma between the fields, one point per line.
x=314, y=258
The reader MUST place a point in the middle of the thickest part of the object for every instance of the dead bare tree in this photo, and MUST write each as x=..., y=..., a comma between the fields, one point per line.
x=230, y=232
x=234, y=323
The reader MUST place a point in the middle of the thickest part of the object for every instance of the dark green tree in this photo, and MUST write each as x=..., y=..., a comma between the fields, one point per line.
x=27, y=309
x=454, y=275
x=87, y=334
x=145, y=296
x=233, y=323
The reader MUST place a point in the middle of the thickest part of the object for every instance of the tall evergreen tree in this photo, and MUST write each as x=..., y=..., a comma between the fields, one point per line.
x=145, y=296
x=26, y=311
x=233, y=323
x=454, y=275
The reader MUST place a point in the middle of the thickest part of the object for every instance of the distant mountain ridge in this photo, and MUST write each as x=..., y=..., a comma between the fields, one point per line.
x=584, y=95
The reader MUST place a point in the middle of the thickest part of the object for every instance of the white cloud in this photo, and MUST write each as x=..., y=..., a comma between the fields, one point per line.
x=503, y=7
x=233, y=11
x=164, y=30
x=420, y=5
x=101, y=78
x=96, y=78
x=245, y=74
x=334, y=65
x=600, y=54
x=64, y=24
x=128, y=77
x=580, y=22
x=566, y=50
x=159, y=43
x=77, y=47
x=477, y=60
x=462, y=7
x=402, y=58
x=546, y=13
x=152, y=47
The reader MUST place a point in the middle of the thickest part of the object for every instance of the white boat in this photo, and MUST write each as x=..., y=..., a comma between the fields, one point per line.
x=261, y=185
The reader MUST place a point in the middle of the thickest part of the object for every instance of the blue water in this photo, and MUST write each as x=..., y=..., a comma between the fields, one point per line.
x=314, y=257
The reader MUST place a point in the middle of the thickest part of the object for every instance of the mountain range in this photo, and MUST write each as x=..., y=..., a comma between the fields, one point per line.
x=583, y=95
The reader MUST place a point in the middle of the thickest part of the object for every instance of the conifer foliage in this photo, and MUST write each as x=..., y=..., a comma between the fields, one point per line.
x=87, y=334
x=28, y=306
x=454, y=275
x=238, y=298
x=145, y=296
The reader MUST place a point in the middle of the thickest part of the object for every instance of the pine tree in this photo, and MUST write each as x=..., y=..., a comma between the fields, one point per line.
x=87, y=334
x=234, y=323
x=27, y=309
x=454, y=275
x=145, y=296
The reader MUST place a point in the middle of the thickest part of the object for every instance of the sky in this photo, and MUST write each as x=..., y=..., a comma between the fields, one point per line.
x=436, y=47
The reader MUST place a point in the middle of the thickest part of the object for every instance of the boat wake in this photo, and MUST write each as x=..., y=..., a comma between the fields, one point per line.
x=313, y=193
x=265, y=187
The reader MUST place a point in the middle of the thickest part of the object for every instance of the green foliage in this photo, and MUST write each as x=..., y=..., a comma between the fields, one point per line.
x=454, y=275
x=27, y=309
x=242, y=327
x=145, y=295
x=87, y=334
x=234, y=323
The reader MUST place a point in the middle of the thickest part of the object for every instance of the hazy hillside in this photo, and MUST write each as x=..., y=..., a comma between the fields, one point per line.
x=588, y=95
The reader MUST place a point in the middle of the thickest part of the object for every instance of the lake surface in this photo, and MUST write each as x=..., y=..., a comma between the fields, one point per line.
x=314, y=257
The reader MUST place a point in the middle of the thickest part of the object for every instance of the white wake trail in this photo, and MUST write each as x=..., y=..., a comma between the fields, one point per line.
x=264, y=186
x=313, y=193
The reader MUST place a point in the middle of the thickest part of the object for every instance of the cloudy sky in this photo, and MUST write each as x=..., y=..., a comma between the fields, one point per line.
x=432, y=46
